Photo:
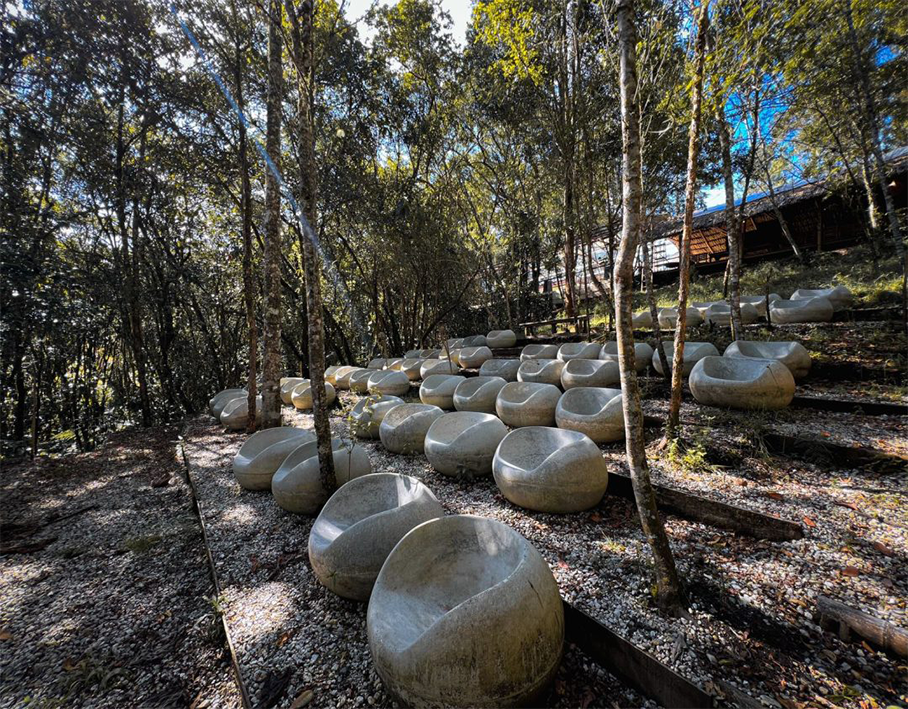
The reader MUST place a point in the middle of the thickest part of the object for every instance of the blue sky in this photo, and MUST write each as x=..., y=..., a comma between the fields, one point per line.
x=459, y=10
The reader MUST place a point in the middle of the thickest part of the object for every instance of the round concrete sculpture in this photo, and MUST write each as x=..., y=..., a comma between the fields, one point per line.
x=288, y=384
x=462, y=444
x=478, y=394
x=393, y=365
x=474, y=341
x=452, y=356
x=642, y=320
x=438, y=390
x=297, y=486
x=404, y=428
x=578, y=350
x=840, y=297
x=301, y=396
x=473, y=357
x=693, y=353
x=429, y=353
x=742, y=383
x=590, y=373
x=759, y=302
x=359, y=526
x=801, y=311
x=412, y=354
x=217, y=402
x=703, y=307
x=455, y=343
x=330, y=372
x=367, y=415
x=527, y=404
x=411, y=367
x=236, y=412
x=377, y=363
x=342, y=376
x=539, y=352
x=720, y=314
x=501, y=338
x=389, y=382
x=643, y=353
x=550, y=470
x=465, y=612
x=262, y=454
x=668, y=318
x=540, y=371
x=595, y=411
x=504, y=368
x=359, y=381
x=792, y=354
x=437, y=366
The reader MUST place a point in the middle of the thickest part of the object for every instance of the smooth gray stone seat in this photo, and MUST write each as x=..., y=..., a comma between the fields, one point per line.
x=367, y=415
x=720, y=314
x=342, y=376
x=437, y=366
x=474, y=341
x=236, y=412
x=454, y=343
x=668, y=318
x=643, y=353
x=590, y=373
x=301, y=396
x=389, y=382
x=411, y=367
x=539, y=352
x=262, y=454
x=297, y=486
x=804, y=310
x=478, y=394
x=742, y=383
x=550, y=470
x=527, y=404
x=412, y=354
x=429, y=353
x=330, y=372
x=359, y=526
x=703, y=306
x=540, y=371
x=465, y=612
x=473, y=357
x=840, y=297
x=642, y=320
x=504, y=368
x=451, y=356
x=393, y=364
x=288, y=384
x=501, y=338
x=693, y=353
x=595, y=411
x=377, y=363
x=359, y=381
x=404, y=428
x=438, y=390
x=792, y=354
x=217, y=403
x=578, y=350
x=759, y=302
x=463, y=443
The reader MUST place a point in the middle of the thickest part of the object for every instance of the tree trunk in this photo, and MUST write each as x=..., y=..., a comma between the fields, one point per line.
x=668, y=586
x=732, y=230
x=570, y=256
x=783, y=223
x=271, y=358
x=690, y=196
x=651, y=304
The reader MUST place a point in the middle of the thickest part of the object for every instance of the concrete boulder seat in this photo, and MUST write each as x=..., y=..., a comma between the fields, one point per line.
x=474, y=357
x=454, y=343
x=262, y=454
x=389, y=382
x=330, y=372
x=359, y=526
x=297, y=486
x=438, y=390
x=595, y=411
x=412, y=354
x=642, y=320
x=478, y=394
x=742, y=383
x=430, y=353
x=804, y=310
x=527, y=404
x=668, y=318
x=393, y=365
x=540, y=371
x=792, y=354
x=840, y=297
x=578, y=350
x=359, y=381
x=504, y=368
x=342, y=377
x=474, y=341
x=550, y=470
x=288, y=384
x=301, y=396
x=366, y=417
x=217, y=402
x=465, y=612
x=411, y=367
x=703, y=306
x=643, y=353
x=462, y=444
x=451, y=356
x=236, y=412
x=377, y=363
x=501, y=338
x=759, y=302
x=590, y=373
x=720, y=314
x=437, y=366
x=539, y=352
x=693, y=353
x=404, y=428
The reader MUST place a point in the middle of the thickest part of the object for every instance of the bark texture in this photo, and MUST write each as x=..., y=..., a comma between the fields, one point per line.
x=732, y=229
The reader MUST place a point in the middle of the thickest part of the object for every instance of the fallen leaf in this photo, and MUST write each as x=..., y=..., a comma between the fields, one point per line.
x=281, y=641
x=849, y=505
x=850, y=571
x=774, y=496
x=809, y=522
x=5, y=635
x=255, y=563
x=302, y=699
x=866, y=646
x=595, y=517
x=883, y=549
x=562, y=564
x=69, y=665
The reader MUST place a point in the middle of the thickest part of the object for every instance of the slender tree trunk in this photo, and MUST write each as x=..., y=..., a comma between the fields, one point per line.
x=668, y=586
x=271, y=359
x=783, y=223
x=732, y=230
x=690, y=196
x=653, y=311
x=570, y=255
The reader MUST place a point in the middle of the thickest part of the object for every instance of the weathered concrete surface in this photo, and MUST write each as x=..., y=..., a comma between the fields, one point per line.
x=643, y=353
x=262, y=454
x=404, y=428
x=236, y=412
x=389, y=382
x=693, y=352
x=478, y=394
x=501, y=338
x=527, y=404
x=578, y=350
x=840, y=297
x=367, y=415
x=668, y=318
x=540, y=371
x=742, y=383
x=463, y=443
x=792, y=354
x=474, y=357
x=504, y=368
x=217, y=403
x=539, y=352
x=594, y=411
x=802, y=310
x=288, y=384
x=301, y=396
x=590, y=373
x=438, y=390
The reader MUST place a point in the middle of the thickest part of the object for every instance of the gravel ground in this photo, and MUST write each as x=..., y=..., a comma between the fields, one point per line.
x=111, y=605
